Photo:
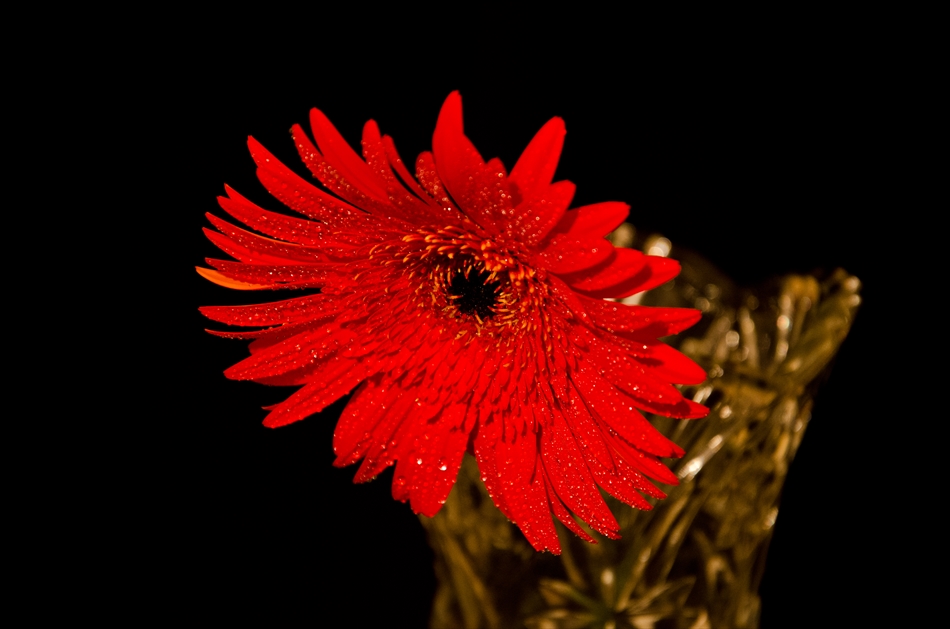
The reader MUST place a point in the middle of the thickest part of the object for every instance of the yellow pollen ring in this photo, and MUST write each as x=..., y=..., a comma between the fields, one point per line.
x=432, y=258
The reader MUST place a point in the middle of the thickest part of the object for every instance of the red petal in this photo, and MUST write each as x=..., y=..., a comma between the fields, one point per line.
x=569, y=298
x=639, y=382
x=522, y=481
x=275, y=313
x=275, y=335
x=400, y=167
x=253, y=249
x=300, y=195
x=668, y=363
x=486, y=440
x=534, y=218
x=436, y=459
x=535, y=168
x=240, y=335
x=593, y=221
x=404, y=204
x=645, y=321
x=616, y=410
x=486, y=199
x=300, y=231
x=656, y=270
x=292, y=353
x=568, y=254
x=603, y=463
x=561, y=513
x=391, y=439
x=402, y=447
x=609, y=275
x=336, y=381
x=429, y=178
x=344, y=160
x=647, y=465
x=487, y=367
x=456, y=159
x=355, y=430
x=571, y=478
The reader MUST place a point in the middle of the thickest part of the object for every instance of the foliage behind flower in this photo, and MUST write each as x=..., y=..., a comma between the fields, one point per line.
x=466, y=307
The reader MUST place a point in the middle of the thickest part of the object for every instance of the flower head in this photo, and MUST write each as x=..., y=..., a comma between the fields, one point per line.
x=465, y=308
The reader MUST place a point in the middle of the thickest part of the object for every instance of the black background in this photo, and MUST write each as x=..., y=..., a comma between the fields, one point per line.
x=764, y=165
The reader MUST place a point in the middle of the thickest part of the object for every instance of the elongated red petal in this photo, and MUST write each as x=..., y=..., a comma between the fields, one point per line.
x=399, y=166
x=606, y=466
x=593, y=221
x=617, y=411
x=355, y=430
x=523, y=483
x=536, y=216
x=403, y=204
x=436, y=459
x=253, y=249
x=486, y=441
x=561, y=513
x=458, y=163
x=310, y=307
x=292, y=353
x=572, y=479
x=300, y=195
x=610, y=276
x=655, y=271
x=641, y=321
x=535, y=168
x=340, y=379
x=271, y=275
x=391, y=439
x=648, y=390
x=668, y=363
x=344, y=160
x=568, y=254
x=429, y=178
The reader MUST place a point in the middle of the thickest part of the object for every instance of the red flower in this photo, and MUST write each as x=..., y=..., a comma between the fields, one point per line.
x=466, y=307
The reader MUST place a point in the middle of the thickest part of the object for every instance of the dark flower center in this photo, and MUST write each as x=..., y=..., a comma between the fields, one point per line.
x=475, y=294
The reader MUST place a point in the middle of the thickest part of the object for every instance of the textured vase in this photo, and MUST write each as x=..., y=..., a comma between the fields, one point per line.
x=697, y=558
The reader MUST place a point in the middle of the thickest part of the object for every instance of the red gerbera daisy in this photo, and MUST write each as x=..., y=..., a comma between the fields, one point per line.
x=466, y=307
